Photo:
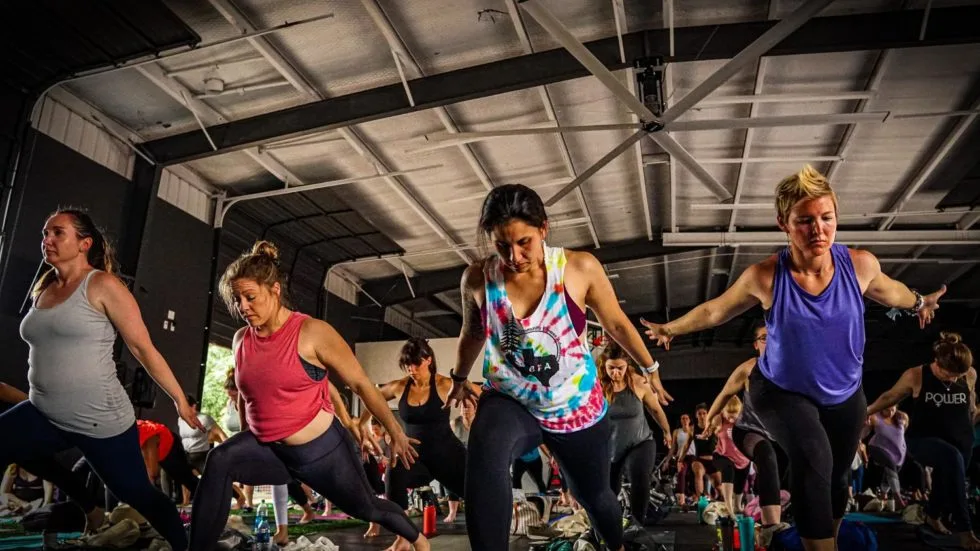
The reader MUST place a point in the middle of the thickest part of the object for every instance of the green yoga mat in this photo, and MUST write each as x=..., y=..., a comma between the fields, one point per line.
x=872, y=519
x=32, y=542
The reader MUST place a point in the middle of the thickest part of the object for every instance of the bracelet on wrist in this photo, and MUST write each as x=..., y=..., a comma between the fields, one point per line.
x=919, y=302
x=456, y=378
x=652, y=369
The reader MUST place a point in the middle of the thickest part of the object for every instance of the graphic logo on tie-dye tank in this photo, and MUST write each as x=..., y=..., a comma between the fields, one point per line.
x=540, y=360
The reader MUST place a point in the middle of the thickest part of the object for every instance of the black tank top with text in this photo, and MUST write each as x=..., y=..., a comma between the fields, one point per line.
x=942, y=410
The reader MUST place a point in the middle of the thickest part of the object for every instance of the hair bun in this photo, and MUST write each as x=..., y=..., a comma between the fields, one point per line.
x=266, y=248
x=949, y=338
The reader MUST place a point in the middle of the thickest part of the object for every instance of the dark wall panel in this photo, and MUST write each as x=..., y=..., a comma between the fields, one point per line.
x=50, y=175
x=173, y=273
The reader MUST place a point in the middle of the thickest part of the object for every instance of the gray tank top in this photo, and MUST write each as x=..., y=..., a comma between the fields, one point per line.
x=72, y=374
x=629, y=425
x=749, y=420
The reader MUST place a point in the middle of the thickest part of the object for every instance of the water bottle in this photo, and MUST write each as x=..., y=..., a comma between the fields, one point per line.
x=702, y=505
x=263, y=535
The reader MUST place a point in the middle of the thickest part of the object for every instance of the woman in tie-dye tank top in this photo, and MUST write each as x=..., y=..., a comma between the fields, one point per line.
x=526, y=303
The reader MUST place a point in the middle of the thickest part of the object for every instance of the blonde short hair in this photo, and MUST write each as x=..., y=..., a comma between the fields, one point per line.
x=733, y=406
x=808, y=183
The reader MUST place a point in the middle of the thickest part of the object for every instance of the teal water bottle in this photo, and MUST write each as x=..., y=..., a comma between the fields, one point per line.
x=702, y=505
x=746, y=528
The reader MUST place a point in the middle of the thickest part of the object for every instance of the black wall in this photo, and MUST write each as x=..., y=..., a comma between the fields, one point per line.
x=50, y=175
x=173, y=275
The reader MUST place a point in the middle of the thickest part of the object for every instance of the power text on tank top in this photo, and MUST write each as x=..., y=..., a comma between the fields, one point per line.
x=72, y=373
x=815, y=343
x=890, y=438
x=540, y=360
x=281, y=395
x=942, y=410
x=629, y=425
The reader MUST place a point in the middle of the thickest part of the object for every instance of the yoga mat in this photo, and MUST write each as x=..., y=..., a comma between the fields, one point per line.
x=33, y=542
x=872, y=519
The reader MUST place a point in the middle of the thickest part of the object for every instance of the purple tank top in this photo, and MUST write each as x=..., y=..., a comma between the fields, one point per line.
x=890, y=439
x=815, y=344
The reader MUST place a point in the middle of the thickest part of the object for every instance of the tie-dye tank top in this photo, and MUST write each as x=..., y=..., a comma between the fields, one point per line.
x=540, y=360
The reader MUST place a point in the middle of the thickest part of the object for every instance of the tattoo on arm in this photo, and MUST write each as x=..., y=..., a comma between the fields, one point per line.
x=472, y=317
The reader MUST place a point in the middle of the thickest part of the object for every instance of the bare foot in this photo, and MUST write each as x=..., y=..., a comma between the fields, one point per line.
x=968, y=541
x=374, y=530
x=94, y=520
x=937, y=525
x=282, y=536
x=421, y=544
x=449, y=519
x=308, y=515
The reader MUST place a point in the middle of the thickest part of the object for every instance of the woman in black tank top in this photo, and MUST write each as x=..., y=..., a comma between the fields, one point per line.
x=703, y=461
x=422, y=397
x=940, y=433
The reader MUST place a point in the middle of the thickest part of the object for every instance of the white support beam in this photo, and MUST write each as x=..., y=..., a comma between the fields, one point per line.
x=847, y=141
x=916, y=253
x=760, y=77
x=969, y=220
x=216, y=65
x=931, y=164
x=596, y=167
x=404, y=56
x=863, y=238
x=289, y=72
x=749, y=54
x=659, y=159
x=774, y=122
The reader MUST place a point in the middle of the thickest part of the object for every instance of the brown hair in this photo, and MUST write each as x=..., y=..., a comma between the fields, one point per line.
x=230, y=383
x=414, y=351
x=261, y=265
x=805, y=184
x=100, y=256
x=952, y=354
x=613, y=352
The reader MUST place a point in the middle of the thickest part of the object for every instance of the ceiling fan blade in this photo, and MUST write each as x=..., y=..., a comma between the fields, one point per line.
x=773, y=122
x=587, y=173
x=681, y=155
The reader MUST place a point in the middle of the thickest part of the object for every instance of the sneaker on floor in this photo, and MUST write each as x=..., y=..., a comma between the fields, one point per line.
x=542, y=532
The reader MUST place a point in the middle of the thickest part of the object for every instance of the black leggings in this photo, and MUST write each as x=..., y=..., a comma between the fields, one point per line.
x=532, y=468
x=730, y=474
x=175, y=465
x=820, y=441
x=330, y=464
x=504, y=430
x=638, y=463
x=762, y=452
x=440, y=453
x=948, y=464
x=117, y=460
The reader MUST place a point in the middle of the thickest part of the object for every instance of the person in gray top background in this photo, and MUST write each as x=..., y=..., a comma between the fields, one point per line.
x=76, y=399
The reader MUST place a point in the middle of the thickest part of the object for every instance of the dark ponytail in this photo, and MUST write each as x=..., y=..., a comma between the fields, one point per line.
x=414, y=351
x=101, y=255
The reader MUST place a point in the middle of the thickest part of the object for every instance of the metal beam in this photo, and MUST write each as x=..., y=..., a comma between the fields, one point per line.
x=938, y=156
x=549, y=109
x=285, y=67
x=896, y=29
x=864, y=238
x=393, y=290
x=874, y=81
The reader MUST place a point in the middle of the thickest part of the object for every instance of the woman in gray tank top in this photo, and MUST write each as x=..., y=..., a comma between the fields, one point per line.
x=76, y=399
x=632, y=446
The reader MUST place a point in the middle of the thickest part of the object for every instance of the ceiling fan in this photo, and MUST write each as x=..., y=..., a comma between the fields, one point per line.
x=653, y=125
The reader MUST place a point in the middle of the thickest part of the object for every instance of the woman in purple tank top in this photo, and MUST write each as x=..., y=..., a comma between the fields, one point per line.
x=807, y=387
x=887, y=447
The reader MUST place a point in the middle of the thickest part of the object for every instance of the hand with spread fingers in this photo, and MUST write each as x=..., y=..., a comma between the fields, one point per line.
x=657, y=332
x=930, y=303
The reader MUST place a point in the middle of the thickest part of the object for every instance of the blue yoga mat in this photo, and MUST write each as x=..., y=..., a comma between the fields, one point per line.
x=872, y=519
x=32, y=542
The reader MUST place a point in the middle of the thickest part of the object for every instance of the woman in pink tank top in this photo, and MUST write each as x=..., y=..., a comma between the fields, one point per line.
x=289, y=430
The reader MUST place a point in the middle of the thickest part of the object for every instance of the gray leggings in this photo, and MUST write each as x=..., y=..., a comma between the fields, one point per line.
x=890, y=470
x=330, y=464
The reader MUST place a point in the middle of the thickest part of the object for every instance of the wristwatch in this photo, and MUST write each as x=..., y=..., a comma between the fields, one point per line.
x=456, y=378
